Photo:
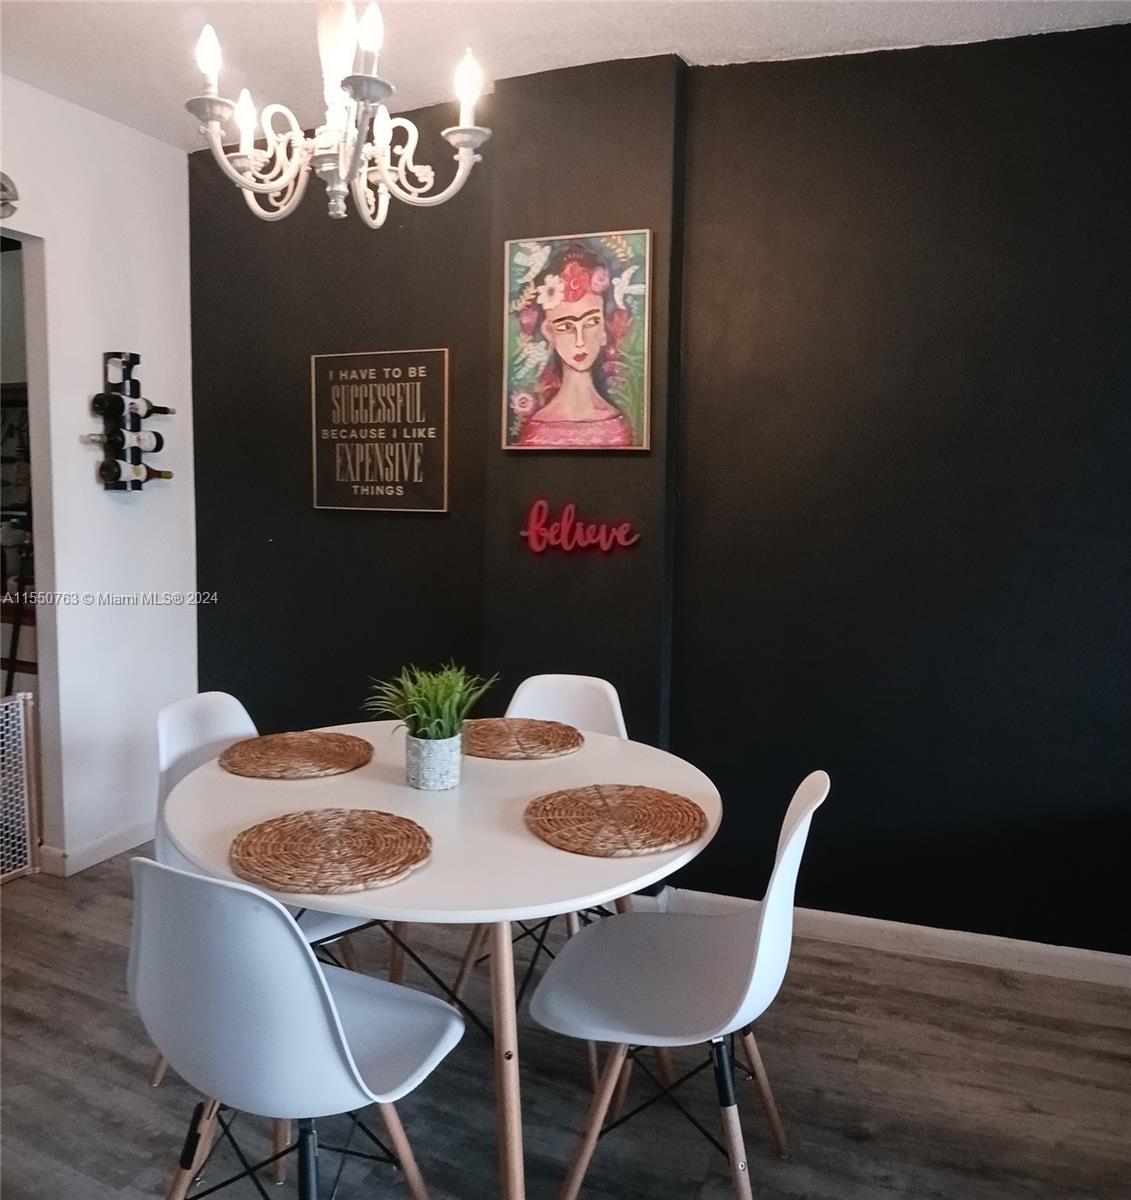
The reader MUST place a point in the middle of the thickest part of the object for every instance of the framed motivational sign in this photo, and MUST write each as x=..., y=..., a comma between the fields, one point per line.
x=380, y=430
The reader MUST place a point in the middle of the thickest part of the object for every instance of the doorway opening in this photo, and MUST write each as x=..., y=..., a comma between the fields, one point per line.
x=19, y=657
x=17, y=538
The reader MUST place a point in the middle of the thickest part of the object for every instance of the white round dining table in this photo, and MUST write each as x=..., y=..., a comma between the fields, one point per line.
x=486, y=867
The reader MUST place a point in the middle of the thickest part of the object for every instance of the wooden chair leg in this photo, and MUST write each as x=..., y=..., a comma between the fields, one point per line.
x=349, y=954
x=474, y=947
x=398, y=1139
x=621, y=1094
x=758, y=1069
x=396, y=953
x=573, y=926
x=196, y=1149
x=593, y=1065
x=593, y=1122
x=732, y=1126
x=280, y=1140
x=666, y=1063
x=623, y=905
x=211, y=1125
x=160, y=1066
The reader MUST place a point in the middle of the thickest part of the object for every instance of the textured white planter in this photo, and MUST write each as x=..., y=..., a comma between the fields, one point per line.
x=433, y=765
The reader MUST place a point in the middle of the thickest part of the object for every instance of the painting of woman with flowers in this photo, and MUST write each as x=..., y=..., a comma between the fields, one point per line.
x=575, y=375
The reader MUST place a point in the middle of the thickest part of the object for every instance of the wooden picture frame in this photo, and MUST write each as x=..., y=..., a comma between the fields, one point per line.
x=379, y=430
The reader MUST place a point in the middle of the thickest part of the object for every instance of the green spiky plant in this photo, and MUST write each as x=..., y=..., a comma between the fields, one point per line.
x=432, y=704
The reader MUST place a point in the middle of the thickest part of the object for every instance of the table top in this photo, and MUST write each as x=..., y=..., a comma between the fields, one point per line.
x=486, y=865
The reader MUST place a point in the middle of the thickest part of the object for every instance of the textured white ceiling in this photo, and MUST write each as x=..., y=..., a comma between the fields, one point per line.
x=134, y=61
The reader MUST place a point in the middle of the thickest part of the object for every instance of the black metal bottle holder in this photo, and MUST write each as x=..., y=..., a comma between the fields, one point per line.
x=129, y=421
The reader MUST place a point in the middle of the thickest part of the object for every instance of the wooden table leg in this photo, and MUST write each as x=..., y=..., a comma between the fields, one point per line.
x=508, y=1096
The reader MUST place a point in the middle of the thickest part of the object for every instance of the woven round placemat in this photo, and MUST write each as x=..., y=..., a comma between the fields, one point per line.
x=615, y=820
x=296, y=755
x=330, y=850
x=518, y=738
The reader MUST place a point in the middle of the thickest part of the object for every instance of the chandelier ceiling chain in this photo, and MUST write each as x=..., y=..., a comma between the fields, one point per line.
x=359, y=150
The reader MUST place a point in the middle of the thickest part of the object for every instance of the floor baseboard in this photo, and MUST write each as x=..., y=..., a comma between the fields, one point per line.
x=53, y=860
x=982, y=949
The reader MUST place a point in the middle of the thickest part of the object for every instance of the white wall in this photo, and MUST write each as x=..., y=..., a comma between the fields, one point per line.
x=110, y=273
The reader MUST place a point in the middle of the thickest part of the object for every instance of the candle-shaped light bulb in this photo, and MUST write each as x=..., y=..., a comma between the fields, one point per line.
x=337, y=40
x=246, y=118
x=370, y=35
x=208, y=58
x=469, y=83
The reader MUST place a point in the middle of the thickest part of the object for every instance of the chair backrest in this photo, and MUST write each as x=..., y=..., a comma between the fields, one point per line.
x=579, y=700
x=773, y=938
x=193, y=730
x=231, y=994
x=189, y=733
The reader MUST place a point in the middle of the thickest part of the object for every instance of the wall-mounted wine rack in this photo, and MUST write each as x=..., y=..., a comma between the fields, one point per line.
x=122, y=409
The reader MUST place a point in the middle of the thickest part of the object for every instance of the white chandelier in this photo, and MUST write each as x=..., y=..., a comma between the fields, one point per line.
x=353, y=151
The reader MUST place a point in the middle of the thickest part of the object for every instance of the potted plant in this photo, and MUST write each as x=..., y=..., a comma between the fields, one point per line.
x=433, y=706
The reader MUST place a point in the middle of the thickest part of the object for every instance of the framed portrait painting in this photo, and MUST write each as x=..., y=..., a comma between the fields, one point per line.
x=576, y=366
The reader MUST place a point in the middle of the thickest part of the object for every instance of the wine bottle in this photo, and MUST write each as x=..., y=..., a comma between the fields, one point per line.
x=112, y=404
x=115, y=471
x=119, y=439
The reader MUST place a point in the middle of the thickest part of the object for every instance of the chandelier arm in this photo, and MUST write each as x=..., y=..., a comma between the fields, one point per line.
x=246, y=181
x=406, y=158
x=279, y=154
x=280, y=146
x=363, y=200
x=282, y=207
x=465, y=157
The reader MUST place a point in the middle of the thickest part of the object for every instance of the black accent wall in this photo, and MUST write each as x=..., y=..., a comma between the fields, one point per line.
x=904, y=549
x=885, y=517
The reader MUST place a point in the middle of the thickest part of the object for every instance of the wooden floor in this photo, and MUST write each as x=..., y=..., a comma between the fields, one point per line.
x=896, y=1076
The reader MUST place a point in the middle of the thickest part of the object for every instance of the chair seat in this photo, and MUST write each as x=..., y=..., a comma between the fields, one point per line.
x=648, y=979
x=396, y=1035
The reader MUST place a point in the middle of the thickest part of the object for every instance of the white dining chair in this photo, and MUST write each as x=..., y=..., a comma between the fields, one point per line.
x=191, y=732
x=582, y=701
x=662, y=979
x=229, y=990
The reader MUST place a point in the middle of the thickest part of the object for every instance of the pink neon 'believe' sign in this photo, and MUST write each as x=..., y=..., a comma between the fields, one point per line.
x=567, y=533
